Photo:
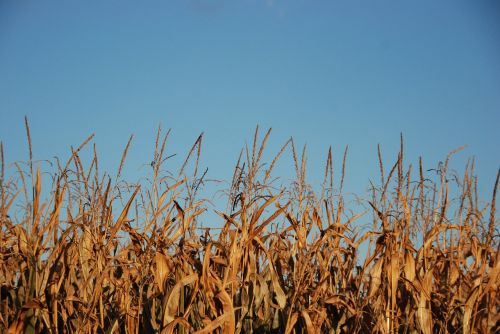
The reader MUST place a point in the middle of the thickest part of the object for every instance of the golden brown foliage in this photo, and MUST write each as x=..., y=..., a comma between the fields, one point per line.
x=287, y=261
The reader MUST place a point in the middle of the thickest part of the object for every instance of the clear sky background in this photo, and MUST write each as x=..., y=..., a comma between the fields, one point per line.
x=325, y=72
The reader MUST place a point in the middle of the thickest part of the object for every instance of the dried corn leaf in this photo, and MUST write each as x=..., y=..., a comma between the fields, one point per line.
x=172, y=302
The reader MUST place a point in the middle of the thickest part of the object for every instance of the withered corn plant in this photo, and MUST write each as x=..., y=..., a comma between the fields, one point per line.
x=84, y=252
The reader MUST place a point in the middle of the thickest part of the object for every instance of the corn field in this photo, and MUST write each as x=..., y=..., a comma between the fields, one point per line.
x=84, y=252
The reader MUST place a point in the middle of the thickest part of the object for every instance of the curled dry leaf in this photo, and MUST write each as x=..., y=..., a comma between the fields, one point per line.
x=172, y=302
x=163, y=268
x=376, y=277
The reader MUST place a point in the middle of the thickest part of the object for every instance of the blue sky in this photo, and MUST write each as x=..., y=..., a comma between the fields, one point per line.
x=325, y=72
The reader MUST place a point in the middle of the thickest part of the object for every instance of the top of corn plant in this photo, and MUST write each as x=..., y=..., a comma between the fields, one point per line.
x=100, y=255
